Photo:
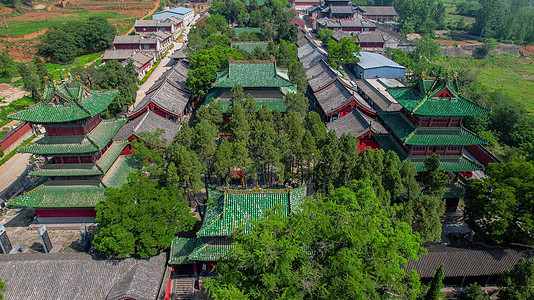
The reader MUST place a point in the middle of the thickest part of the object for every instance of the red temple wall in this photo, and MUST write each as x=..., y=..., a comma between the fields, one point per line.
x=482, y=155
x=429, y=150
x=74, y=130
x=65, y=213
x=15, y=136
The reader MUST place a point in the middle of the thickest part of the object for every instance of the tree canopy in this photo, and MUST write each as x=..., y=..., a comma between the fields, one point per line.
x=140, y=218
x=502, y=203
x=67, y=41
x=518, y=283
x=343, y=246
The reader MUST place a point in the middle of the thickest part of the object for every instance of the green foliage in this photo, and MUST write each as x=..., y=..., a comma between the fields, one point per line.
x=31, y=81
x=297, y=102
x=434, y=291
x=505, y=20
x=6, y=64
x=434, y=179
x=421, y=16
x=140, y=218
x=502, y=204
x=473, y=292
x=518, y=283
x=345, y=246
x=66, y=41
x=223, y=160
x=114, y=76
x=342, y=51
x=184, y=171
x=3, y=288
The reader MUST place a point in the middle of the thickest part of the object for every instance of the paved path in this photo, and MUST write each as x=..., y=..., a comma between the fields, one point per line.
x=163, y=66
x=12, y=169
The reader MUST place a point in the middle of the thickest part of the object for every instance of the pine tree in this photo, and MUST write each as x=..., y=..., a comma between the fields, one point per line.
x=434, y=291
x=223, y=161
x=434, y=179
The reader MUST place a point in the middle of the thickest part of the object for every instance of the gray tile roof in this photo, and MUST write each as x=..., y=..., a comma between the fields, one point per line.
x=379, y=10
x=80, y=276
x=320, y=75
x=141, y=58
x=459, y=262
x=146, y=23
x=354, y=123
x=306, y=49
x=176, y=76
x=376, y=99
x=166, y=96
x=156, y=35
x=134, y=39
x=333, y=97
x=118, y=54
x=341, y=9
x=149, y=121
x=371, y=37
x=313, y=57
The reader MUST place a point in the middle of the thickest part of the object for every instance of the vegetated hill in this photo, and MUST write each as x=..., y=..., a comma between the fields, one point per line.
x=514, y=76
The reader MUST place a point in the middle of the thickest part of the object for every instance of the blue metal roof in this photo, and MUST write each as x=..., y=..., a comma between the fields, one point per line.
x=177, y=10
x=370, y=60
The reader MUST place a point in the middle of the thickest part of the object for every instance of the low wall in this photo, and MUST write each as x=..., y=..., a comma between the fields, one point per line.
x=9, y=141
x=470, y=50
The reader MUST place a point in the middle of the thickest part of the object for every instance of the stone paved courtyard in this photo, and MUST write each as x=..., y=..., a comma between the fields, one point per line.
x=17, y=223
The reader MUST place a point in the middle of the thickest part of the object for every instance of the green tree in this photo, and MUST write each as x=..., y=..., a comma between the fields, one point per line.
x=3, y=288
x=140, y=218
x=6, y=63
x=223, y=161
x=434, y=291
x=205, y=145
x=434, y=179
x=473, y=292
x=329, y=166
x=239, y=125
x=518, y=283
x=297, y=102
x=345, y=51
x=31, y=81
x=502, y=203
x=40, y=69
x=184, y=171
x=240, y=159
x=122, y=78
x=344, y=246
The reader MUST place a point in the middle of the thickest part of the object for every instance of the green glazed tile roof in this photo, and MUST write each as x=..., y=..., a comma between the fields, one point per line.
x=247, y=29
x=237, y=208
x=62, y=193
x=449, y=164
x=250, y=46
x=66, y=102
x=92, y=142
x=270, y=104
x=409, y=134
x=424, y=102
x=388, y=143
x=85, y=169
x=181, y=248
x=252, y=74
x=454, y=190
x=119, y=172
x=211, y=248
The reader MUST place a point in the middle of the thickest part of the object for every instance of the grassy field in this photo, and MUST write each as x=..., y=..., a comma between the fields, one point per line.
x=24, y=27
x=54, y=68
x=513, y=76
x=13, y=107
x=450, y=13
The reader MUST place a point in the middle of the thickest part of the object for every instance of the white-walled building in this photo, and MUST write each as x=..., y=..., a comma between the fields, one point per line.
x=186, y=14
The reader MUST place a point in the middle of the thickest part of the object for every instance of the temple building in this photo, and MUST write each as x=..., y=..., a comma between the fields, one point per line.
x=430, y=122
x=81, y=157
x=230, y=210
x=168, y=97
x=262, y=79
